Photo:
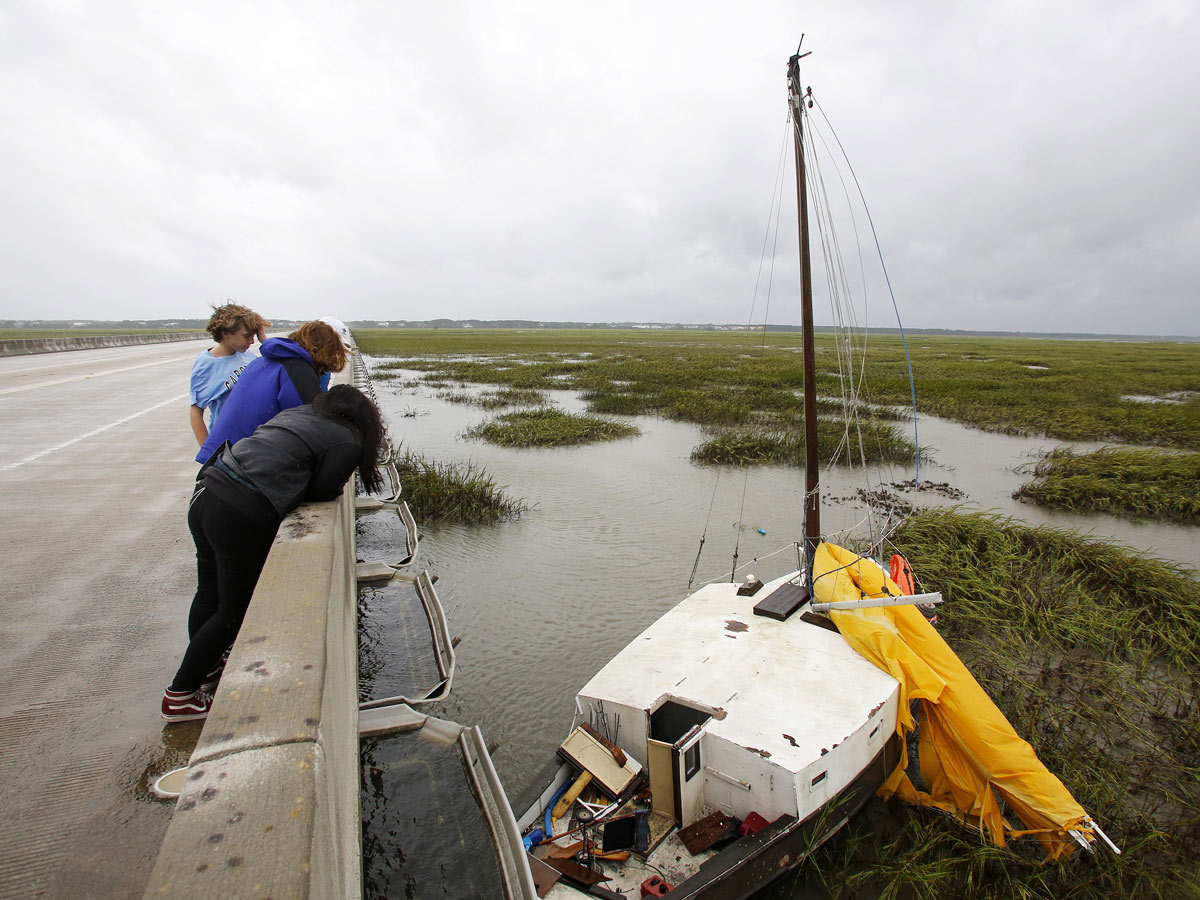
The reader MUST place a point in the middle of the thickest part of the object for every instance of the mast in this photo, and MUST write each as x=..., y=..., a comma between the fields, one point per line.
x=812, y=508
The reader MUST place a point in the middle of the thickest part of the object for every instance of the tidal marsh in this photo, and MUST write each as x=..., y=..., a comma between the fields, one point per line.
x=1091, y=650
x=1120, y=481
x=30, y=334
x=1074, y=390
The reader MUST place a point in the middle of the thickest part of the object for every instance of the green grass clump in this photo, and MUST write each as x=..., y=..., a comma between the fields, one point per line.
x=1092, y=651
x=1131, y=482
x=549, y=428
x=881, y=442
x=452, y=492
x=500, y=399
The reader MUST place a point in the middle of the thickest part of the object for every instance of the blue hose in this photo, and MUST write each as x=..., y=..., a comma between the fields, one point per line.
x=546, y=826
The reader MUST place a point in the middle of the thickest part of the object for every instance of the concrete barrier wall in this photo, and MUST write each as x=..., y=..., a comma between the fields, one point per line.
x=92, y=342
x=271, y=804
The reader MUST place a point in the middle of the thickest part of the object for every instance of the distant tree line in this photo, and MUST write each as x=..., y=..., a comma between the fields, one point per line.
x=285, y=324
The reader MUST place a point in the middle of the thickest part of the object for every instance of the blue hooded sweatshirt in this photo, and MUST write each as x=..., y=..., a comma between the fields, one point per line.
x=282, y=377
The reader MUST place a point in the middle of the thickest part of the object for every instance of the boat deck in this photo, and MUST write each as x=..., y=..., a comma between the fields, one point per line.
x=669, y=859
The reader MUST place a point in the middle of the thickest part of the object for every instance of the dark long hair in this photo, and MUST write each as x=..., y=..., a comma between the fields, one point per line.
x=350, y=406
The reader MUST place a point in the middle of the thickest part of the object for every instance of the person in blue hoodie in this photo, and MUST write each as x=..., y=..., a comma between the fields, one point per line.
x=287, y=374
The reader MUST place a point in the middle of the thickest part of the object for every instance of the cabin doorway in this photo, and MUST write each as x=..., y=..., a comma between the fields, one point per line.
x=673, y=761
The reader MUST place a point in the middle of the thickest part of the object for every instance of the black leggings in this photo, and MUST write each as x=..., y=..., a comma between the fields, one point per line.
x=231, y=550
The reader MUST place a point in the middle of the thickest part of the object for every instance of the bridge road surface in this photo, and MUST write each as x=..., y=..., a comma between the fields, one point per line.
x=97, y=574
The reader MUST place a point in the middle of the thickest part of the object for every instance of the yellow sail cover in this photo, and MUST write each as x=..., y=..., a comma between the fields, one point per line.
x=967, y=747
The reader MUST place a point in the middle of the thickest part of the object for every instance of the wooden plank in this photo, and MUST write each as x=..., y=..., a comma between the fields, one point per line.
x=544, y=876
x=577, y=873
x=782, y=602
x=701, y=835
x=557, y=852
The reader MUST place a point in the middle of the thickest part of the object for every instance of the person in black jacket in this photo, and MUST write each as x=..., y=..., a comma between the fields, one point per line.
x=242, y=494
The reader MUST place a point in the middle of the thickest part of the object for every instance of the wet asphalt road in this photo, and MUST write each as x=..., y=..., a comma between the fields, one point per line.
x=98, y=571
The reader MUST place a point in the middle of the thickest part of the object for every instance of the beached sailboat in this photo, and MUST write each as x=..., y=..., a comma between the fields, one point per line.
x=743, y=728
x=730, y=738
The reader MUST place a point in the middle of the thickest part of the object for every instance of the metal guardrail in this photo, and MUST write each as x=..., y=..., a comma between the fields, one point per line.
x=443, y=648
x=489, y=792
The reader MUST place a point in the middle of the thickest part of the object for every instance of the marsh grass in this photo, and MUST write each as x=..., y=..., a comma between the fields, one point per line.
x=452, y=492
x=1078, y=390
x=1130, y=482
x=501, y=399
x=549, y=428
x=1092, y=651
x=881, y=442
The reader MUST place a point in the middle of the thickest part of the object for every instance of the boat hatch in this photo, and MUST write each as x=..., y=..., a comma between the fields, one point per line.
x=673, y=760
x=671, y=721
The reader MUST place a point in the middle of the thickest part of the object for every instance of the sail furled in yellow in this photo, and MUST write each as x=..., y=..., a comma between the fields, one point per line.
x=967, y=748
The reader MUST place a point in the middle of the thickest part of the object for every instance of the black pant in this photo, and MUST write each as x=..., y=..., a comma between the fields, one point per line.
x=231, y=550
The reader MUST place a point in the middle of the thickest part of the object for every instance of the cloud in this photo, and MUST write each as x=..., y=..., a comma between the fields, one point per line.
x=1027, y=168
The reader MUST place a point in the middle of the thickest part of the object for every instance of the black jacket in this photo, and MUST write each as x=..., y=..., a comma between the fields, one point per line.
x=296, y=456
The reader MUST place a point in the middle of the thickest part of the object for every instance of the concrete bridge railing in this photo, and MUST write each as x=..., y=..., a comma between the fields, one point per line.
x=271, y=804
x=25, y=346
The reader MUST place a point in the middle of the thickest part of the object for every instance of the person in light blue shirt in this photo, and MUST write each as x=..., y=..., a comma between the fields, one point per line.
x=214, y=371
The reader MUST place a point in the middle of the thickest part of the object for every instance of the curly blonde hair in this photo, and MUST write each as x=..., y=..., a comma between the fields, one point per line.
x=323, y=344
x=233, y=317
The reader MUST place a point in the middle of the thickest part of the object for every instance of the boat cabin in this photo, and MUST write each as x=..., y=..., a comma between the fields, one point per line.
x=739, y=713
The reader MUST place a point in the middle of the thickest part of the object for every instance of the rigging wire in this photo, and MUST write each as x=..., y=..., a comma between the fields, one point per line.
x=795, y=546
x=879, y=250
x=850, y=374
x=850, y=354
x=772, y=219
x=773, y=213
x=704, y=533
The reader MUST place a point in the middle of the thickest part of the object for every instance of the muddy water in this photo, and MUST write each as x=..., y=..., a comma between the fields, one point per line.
x=541, y=603
x=985, y=467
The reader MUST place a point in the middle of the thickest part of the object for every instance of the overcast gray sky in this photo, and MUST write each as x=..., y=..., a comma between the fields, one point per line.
x=1030, y=166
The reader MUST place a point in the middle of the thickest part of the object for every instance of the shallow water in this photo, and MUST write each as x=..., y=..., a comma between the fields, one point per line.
x=541, y=603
